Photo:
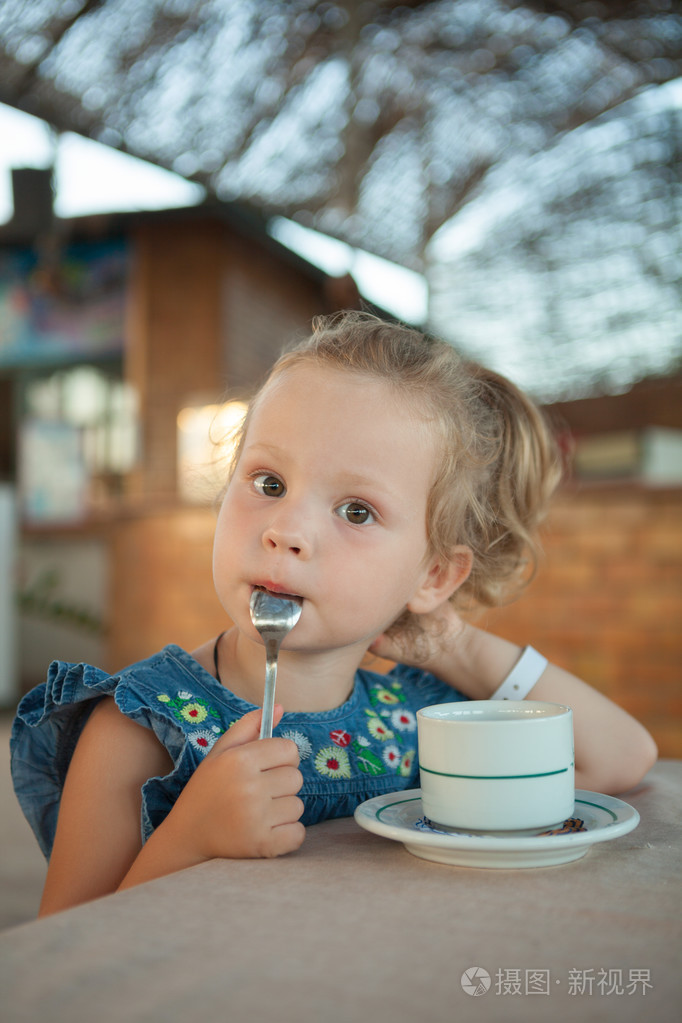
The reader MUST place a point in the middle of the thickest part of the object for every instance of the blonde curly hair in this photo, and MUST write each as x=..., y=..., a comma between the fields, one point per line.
x=499, y=463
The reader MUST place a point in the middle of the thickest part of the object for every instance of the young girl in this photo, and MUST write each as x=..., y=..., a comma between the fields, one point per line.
x=386, y=485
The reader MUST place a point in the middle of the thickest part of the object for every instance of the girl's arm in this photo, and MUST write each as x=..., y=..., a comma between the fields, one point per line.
x=239, y=802
x=612, y=750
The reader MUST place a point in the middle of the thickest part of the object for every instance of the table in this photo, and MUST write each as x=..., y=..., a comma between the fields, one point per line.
x=353, y=928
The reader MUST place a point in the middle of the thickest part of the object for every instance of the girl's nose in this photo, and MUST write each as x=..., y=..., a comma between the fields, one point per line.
x=282, y=536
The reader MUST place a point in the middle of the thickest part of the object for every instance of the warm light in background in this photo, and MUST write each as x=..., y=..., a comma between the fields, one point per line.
x=207, y=437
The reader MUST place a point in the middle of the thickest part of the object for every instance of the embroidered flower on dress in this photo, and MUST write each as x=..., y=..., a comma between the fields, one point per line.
x=386, y=696
x=405, y=769
x=194, y=712
x=339, y=737
x=392, y=756
x=404, y=720
x=301, y=740
x=203, y=741
x=379, y=730
x=332, y=762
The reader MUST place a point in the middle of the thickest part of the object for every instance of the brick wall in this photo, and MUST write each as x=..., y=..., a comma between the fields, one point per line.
x=161, y=584
x=173, y=339
x=607, y=601
x=266, y=304
x=209, y=311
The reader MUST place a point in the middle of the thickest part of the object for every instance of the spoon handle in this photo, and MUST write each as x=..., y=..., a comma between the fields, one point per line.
x=271, y=651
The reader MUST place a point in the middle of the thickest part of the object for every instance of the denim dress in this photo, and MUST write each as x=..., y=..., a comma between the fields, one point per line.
x=364, y=748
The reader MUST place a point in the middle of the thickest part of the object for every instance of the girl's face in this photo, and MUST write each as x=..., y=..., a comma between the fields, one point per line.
x=328, y=503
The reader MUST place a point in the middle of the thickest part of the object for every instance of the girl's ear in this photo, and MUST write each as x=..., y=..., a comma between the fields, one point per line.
x=442, y=578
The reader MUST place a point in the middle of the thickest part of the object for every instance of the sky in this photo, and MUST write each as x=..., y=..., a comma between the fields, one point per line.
x=92, y=178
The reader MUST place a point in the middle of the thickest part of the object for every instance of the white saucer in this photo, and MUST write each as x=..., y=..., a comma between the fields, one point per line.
x=399, y=816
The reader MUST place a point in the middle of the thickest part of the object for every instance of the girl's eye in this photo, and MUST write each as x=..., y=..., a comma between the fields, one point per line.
x=268, y=485
x=356, y=513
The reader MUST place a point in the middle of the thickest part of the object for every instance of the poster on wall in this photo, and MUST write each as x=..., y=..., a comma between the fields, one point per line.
x=63, y=308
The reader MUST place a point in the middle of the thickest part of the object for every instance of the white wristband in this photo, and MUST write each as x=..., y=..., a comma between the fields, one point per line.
x=522, y=677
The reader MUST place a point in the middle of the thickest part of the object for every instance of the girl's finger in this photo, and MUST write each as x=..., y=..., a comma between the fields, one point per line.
x=247, y=729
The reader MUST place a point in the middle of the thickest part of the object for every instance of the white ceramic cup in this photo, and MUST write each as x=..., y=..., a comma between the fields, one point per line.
x=497, y=765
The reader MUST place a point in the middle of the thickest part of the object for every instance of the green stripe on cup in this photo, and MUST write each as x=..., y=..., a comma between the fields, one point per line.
x=493, y=777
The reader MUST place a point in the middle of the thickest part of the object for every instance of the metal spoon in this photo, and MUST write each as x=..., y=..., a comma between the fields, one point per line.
x=274, y=617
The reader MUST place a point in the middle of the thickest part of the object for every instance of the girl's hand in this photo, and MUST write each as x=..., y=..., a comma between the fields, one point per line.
x=241, y=801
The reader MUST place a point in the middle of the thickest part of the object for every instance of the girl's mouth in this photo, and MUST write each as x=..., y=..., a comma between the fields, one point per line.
x=277, y=592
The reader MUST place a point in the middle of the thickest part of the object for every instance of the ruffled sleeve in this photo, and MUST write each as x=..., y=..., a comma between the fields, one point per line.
x=47, y=727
